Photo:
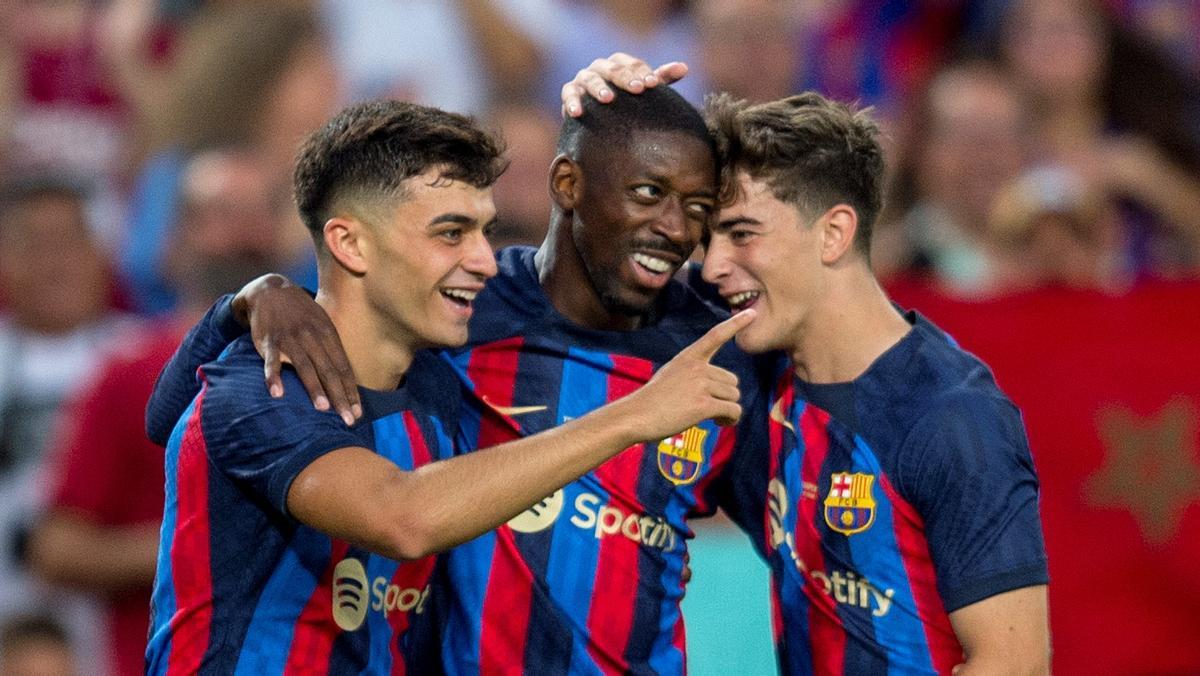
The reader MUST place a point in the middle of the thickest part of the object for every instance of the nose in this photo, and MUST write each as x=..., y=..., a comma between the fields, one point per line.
x=480, y=259
x=716, y=261
x=673, y=224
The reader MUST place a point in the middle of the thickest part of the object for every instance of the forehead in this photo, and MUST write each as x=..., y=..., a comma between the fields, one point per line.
x=430, y=194
x=756, y=202
x=670, y=156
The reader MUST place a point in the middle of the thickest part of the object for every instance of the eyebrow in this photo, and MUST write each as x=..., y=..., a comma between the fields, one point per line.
x=460, y=219
x=708, y=193
x=729, y=223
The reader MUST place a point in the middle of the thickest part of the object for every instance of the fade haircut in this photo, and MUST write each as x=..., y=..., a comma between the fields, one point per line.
x=361, y=158
x=811, y=152
x=659, y=109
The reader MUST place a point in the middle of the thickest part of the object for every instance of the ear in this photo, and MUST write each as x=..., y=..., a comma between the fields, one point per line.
x=346, y=239
x=566, y=182
x=838, y=227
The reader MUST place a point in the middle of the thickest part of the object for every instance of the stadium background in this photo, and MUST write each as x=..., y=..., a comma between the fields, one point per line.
x=1043, y=208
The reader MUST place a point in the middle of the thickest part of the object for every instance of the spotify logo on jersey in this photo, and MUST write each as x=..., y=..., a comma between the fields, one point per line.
x=540, y=516
x=349, y=594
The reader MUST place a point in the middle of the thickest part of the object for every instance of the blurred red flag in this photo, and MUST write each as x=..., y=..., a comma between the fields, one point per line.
x=1110, y=390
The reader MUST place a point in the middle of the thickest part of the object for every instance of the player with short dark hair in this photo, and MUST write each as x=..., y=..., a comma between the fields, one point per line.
x=898, y=488
x=293, y=542
x=591, y=578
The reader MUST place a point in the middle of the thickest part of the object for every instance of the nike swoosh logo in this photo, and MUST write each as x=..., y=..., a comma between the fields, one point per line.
x=778, y=416
x=513, y=410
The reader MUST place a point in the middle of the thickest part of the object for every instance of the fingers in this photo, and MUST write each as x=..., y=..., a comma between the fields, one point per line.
x=667, y=73
x=619, y=70
x=707, y=345
x=319, y=349
x=271, y=367
x=728, y=414
x=307, y=372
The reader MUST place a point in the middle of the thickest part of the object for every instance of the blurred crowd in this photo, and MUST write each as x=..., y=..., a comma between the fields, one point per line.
x=145, y=154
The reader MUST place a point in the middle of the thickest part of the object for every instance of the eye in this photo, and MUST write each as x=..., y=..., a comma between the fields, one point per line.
x=740, y=236
x=700, y=209
x=647, y=191
x=451, y=235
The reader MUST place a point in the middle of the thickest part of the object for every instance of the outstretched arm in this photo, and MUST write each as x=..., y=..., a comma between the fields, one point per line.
x=355, y=494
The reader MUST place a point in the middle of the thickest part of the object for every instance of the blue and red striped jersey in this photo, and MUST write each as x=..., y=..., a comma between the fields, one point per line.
x=587, y=581
x=242, y=587
x=885, y=503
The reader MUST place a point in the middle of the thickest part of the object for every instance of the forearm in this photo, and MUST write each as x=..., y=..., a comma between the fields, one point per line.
x=70, y=551
x=511, y=55
x=361, y=497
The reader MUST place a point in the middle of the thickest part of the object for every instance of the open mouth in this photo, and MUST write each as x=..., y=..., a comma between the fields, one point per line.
x=653, y=263
x=460, y=297
x=742, y=300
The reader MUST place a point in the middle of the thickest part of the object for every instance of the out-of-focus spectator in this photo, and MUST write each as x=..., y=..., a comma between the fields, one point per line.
x=966, y=140
x=1118, y=112
x=750, y=48
x=35, y=646
x=249, y=75
x=56, y=329
x=100, y=532
x=522, y=193
x=62, y=111
x=452, y=54
x=572, y=33
x=1052, y=229
x=877, y=52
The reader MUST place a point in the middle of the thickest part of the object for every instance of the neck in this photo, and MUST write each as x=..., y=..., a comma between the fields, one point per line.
x=378, y=357
x=564, y=278
x=851, y=328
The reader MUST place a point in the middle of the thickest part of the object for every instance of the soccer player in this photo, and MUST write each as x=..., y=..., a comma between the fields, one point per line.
x=898, y=488
x=590, y=579
x=292, y=542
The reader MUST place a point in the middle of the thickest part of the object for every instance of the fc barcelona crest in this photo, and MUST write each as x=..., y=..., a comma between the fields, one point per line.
x=680, y=456
x=850, y=507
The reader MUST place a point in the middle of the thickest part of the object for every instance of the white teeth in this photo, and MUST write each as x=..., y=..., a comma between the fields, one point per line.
x=461, y=293
x=741, y=298
x=655, y=264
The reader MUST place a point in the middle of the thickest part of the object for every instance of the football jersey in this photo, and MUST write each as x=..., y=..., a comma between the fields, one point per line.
x=589, y=580
x=242, y=587
x=886, y=503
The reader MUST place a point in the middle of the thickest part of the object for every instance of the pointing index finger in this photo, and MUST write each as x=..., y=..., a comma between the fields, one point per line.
x=707, y=345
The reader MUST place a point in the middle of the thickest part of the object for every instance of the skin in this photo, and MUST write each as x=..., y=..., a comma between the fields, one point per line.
x=623, y=228
x=818, y=300
x=386, y=286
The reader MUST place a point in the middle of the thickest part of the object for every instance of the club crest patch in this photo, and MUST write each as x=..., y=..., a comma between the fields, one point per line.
x=680, y=456
x=850, y=506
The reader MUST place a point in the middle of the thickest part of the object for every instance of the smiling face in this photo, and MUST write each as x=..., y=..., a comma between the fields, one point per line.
x=429, y=258
x=642, y=207
x=764, y=254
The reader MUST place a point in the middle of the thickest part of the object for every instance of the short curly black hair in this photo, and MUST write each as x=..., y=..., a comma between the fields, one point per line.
x=367, y=151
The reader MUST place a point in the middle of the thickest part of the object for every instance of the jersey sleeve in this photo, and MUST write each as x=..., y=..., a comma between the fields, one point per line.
x=261, y=442
x=177, y=385
x=968, y=470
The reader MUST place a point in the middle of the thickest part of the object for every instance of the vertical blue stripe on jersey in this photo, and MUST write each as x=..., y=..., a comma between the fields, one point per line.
x=877, y=556
x=791, y=581
x=380, y=661
x=272, y=628
x=163, y=603
x=392, y=442
x=571, y=569
x=469, y=567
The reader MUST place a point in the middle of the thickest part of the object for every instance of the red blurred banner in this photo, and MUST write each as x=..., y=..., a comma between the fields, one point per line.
x=1110, y=390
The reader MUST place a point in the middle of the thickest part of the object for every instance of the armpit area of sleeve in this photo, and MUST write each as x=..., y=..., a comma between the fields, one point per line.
x=997, y=583
x=288, y=467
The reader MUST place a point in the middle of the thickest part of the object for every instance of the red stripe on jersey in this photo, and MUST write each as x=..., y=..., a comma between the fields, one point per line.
x=408, y=575
x=416, y=441
x=722, y=451
x=312, y=639
x=944, y=649
x=493, y=373
x=610, y=618
x=825, y=626
x=506, y=603
x=191, y=562
x=505, y=621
